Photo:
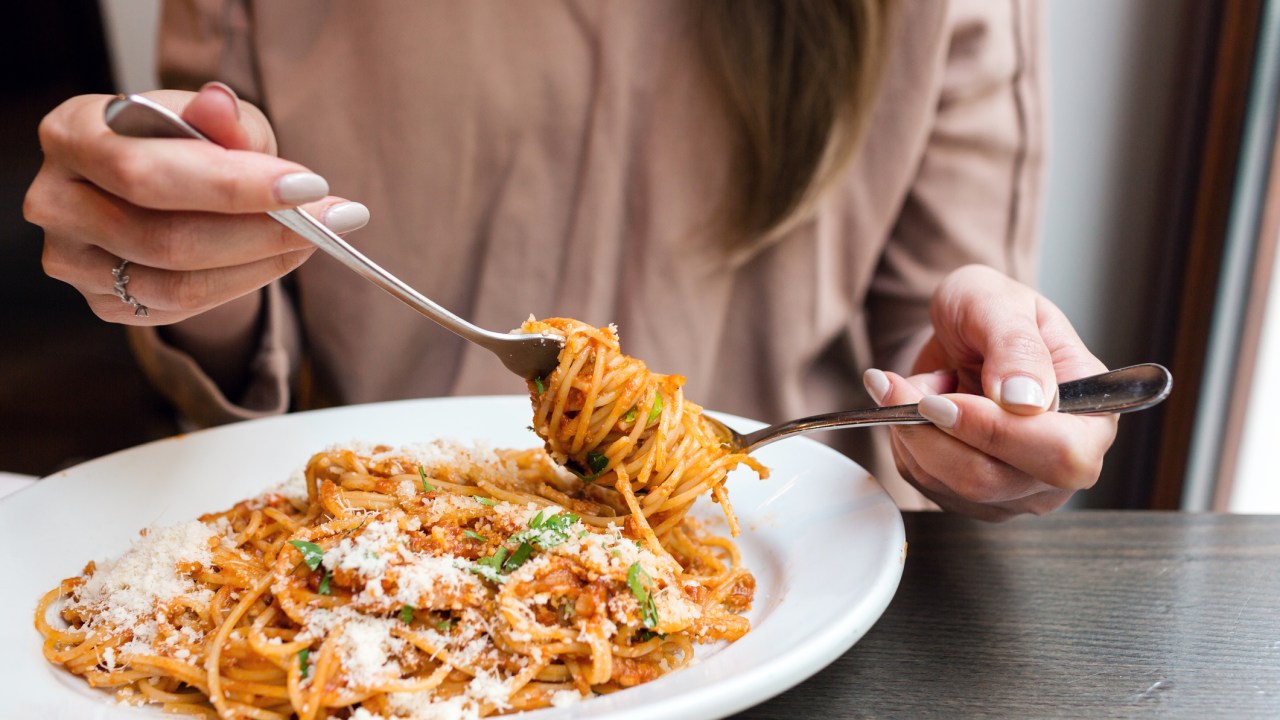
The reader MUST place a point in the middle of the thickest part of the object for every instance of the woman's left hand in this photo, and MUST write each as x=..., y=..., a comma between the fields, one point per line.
x=986, y=380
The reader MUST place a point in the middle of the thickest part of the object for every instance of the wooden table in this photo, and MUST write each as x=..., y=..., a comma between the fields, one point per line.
x=1078, y=614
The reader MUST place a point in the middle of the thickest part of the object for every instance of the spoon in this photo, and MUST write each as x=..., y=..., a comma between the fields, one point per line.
x=529, y=355
x=1136, y=387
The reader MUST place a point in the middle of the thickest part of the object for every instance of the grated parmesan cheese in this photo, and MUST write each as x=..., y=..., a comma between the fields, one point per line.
x=368, y=553
x=367, y=649
x=124, y=594
x=490, y=689
x=420, y=581
x=294, y=489
x=424, y=706
x=565, y=698
x=365, y=714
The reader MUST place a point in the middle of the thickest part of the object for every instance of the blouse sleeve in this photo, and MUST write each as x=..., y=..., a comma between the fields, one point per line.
x=203, y=40
x=975, y=197
x=272, y=369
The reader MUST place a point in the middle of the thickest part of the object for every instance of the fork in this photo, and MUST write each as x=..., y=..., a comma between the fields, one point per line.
x=1129, y=389
x=529, y=355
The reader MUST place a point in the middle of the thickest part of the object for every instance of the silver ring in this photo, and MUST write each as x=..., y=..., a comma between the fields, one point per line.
x=122, y=282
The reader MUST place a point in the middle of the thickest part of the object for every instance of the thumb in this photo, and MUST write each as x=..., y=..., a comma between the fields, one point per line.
x=1017, y=367
x=215, y=111
x=994, y=323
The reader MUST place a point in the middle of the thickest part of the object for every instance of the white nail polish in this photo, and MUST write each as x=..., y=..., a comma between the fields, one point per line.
x=345, y=217
x=1022, y=390
x=301, y=187
x=939, y=410
x=877, y=384
x=226, y=89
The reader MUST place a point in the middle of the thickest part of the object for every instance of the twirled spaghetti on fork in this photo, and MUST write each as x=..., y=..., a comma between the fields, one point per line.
x=645, y=450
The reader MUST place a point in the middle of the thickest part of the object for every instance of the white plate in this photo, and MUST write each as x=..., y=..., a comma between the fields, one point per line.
x=824, y=541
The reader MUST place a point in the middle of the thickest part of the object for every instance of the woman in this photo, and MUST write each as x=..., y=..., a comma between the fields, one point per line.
x=769, y=198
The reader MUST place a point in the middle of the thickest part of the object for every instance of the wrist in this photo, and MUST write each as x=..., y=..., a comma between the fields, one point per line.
x=222, y=341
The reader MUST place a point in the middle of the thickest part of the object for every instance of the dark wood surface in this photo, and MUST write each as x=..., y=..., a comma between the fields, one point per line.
x=1078, y=614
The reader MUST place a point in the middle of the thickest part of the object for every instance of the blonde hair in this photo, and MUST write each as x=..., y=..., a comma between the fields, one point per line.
x=799, y=80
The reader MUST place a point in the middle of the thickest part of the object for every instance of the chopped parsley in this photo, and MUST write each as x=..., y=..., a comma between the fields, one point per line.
x=426, y=486
x=543, y=532
x=490, y=568
x=304, y=657
x=406, y=614
x=656, y=410
x=642, y=587
x=518, y=557
x=547, y=532
x=444, y=625
x=596, y=463
x=363, y=520
x=324, y=584
x=475, y=535
x=483, y=501
x=537, y=382
x=312, y=553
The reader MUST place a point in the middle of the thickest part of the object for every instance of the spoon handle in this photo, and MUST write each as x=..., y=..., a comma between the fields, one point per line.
x=1136, y=387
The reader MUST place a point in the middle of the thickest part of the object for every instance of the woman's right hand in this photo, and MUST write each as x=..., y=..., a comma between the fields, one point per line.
x=188, y=215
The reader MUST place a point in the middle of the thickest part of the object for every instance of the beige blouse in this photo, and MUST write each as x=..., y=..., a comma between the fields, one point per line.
x=565, y=157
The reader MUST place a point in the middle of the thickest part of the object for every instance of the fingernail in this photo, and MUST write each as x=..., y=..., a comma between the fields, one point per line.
x=1022, y=390
x=301, y=187
x=345, y=217
x=235, y=100
x=939, y=411
x=877, y=384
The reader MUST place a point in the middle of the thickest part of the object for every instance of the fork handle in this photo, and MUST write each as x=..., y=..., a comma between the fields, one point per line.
x=1128, y=389
x=136, y=116
x=891, y=415
x=302, y=223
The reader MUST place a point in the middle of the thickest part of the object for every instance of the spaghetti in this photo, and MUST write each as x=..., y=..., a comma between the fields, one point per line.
x=435, y=580
x=641, y=448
